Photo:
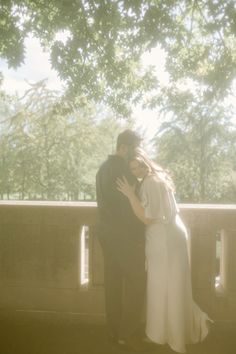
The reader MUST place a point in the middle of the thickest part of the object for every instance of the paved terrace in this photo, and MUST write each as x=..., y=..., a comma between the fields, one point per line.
x=51, y=278
x=26, y=334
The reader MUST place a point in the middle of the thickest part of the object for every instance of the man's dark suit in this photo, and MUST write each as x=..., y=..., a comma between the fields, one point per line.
x=121, y=235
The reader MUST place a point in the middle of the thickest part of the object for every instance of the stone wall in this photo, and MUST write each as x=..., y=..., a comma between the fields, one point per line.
x=41, y=251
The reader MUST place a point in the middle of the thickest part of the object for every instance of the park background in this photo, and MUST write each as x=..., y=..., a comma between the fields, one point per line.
x=75, y=74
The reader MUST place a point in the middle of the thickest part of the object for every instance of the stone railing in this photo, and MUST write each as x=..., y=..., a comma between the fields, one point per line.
x=51, y=262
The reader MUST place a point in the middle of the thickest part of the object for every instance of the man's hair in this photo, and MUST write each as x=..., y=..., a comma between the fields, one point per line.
x=129, y=138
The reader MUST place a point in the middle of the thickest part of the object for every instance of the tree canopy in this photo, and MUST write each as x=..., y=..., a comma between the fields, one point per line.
x=99, y=55
x=47, y=154
x=196, y=142
x=96, y=47
x=50, y=152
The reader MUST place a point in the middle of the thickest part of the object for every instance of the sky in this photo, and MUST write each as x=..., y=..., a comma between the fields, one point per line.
x=37, y=67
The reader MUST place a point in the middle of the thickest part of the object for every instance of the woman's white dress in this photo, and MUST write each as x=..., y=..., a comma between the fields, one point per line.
x=172, y=315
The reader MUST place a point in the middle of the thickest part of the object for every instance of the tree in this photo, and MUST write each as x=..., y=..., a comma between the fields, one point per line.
x=48, y=153
x=96, y=46
x=6, y=105
x=195, y=143
x=99, y=57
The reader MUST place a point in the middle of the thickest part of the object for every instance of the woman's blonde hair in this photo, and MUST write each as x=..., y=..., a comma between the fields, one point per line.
x=153, y=168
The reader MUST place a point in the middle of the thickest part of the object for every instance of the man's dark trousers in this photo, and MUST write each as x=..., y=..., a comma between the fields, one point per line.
x=125, y=284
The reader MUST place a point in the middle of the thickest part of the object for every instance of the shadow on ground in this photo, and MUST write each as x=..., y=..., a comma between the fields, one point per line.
x=25, y=335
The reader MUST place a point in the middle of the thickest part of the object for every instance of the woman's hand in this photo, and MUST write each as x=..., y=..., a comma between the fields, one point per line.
x=124, y=187
x=129, y=191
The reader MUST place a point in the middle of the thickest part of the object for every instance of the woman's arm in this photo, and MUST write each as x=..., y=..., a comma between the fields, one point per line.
x=124, y=187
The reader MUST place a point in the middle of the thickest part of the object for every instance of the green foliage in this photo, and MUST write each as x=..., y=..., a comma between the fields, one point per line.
x=47, y=154
x=50, y=146
x=99, y=56
x=197, y=145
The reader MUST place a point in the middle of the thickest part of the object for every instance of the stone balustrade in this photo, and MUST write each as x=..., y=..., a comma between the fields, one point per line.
x=51, y=262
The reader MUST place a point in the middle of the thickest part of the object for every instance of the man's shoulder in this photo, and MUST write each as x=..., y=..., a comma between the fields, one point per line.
x=112, y=162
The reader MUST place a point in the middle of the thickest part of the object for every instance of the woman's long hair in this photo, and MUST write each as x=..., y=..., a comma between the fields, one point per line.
x=153, y=168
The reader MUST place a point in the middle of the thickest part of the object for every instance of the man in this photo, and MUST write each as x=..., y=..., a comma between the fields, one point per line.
x=121, y=235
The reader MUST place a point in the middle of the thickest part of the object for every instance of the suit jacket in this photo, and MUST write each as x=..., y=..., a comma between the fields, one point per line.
x=116, y=217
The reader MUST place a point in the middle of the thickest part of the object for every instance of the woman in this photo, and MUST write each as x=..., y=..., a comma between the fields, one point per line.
x=172, y=315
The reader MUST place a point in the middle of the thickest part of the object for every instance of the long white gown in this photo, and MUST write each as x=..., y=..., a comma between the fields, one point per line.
x=172, y=315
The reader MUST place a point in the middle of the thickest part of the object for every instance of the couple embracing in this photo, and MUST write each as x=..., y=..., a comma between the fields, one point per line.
x=145, y=250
